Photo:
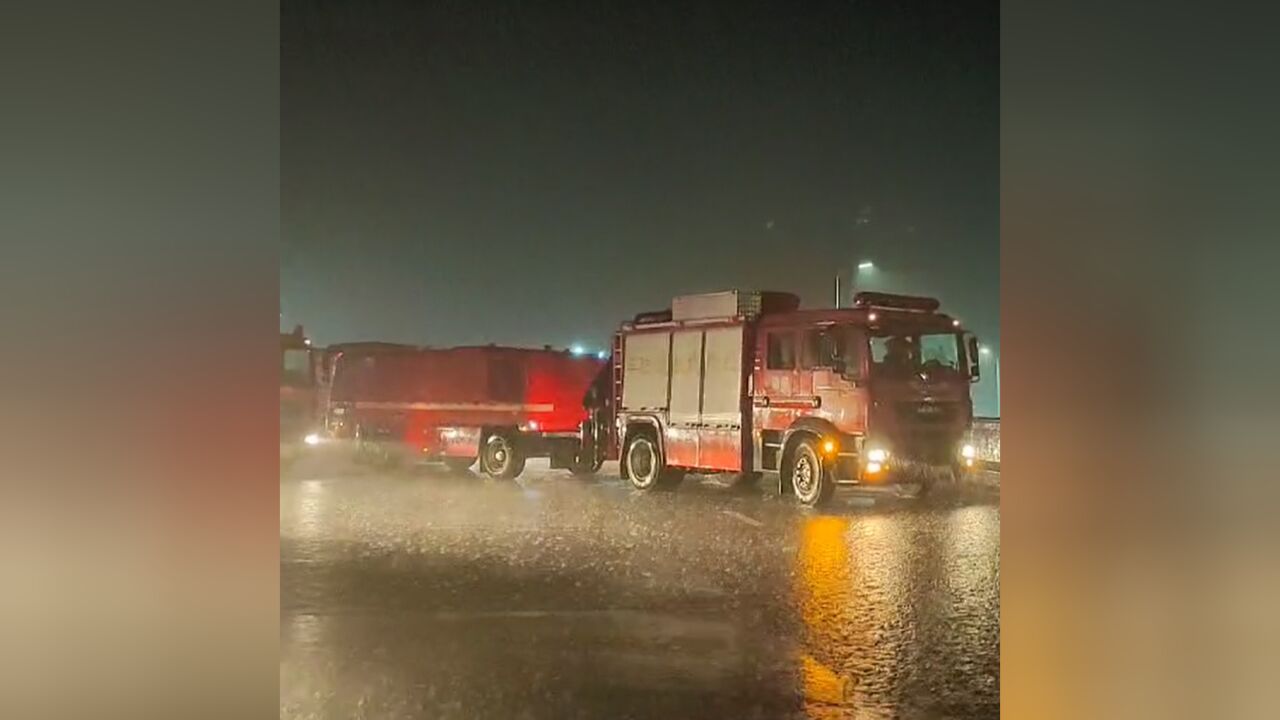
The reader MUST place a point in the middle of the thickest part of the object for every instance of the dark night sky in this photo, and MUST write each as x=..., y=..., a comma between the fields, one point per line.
x=531, y=173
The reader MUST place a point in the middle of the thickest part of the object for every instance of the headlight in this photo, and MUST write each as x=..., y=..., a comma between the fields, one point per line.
x=877, y=455
x=968, y=452
x=311, y=439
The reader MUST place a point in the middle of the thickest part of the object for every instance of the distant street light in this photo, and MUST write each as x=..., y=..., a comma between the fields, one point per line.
x=578, y=350
x=864, y=266
x=985, y=350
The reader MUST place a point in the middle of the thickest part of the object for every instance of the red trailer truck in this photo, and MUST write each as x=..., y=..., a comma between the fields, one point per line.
x=500, y=405
x=747, y=382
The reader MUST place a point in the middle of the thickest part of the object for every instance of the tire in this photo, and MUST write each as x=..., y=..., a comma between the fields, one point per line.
x=811, y=478
x=459, y=465
x=645, y=466
x=586, y=469
x=501, y=457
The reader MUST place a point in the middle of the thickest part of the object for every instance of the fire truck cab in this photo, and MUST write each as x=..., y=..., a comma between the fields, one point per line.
x=747, y=382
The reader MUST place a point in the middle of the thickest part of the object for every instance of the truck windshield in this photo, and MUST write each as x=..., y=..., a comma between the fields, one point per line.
x=902, y=355
x=295, y=368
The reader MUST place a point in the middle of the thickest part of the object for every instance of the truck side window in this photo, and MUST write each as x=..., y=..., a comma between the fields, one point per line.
x=782, y=351
x=823, y=348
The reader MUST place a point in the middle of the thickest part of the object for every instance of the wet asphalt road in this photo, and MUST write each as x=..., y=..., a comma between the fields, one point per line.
x=422, y=594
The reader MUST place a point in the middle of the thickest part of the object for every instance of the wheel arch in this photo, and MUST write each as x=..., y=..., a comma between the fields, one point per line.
x=636, y=424
x=805, y=427
x=488, y=431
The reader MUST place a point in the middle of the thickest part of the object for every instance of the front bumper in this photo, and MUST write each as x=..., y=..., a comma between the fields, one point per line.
x=854, y=464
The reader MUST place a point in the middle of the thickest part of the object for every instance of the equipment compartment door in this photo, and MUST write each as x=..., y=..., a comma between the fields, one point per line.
x=646, y=371
x=686, y=398
x=721, y=433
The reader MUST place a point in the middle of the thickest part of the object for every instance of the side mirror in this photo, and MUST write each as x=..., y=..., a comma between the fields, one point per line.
x=975, y=371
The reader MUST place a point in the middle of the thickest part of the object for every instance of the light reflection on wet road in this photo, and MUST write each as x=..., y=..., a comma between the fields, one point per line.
x=424, y=594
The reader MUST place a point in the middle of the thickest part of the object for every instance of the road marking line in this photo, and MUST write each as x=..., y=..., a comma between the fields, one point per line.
x=743, y=518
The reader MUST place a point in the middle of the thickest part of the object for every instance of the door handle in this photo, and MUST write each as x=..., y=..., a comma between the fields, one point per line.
x=800, y=401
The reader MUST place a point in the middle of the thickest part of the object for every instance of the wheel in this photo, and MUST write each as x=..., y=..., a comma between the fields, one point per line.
x=459, y=464
x=584, y=469
x=811, y=479
x=501, y=457
x=645, y=466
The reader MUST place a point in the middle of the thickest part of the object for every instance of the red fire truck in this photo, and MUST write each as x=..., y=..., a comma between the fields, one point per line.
x=299, y=387
x=500, y=405
x=747, y=382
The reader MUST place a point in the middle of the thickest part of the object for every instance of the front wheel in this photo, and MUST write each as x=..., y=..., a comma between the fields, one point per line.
x=645, y=466
x=811, y=479
x=501, y=458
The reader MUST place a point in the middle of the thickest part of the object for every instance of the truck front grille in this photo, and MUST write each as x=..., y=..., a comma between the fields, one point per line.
x=928, y=431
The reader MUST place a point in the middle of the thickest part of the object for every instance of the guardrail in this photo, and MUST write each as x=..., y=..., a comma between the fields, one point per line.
x=986, y=439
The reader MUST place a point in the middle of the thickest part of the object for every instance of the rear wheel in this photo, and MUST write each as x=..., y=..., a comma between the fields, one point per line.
x=584, y=468
x=645, y=466
x=501, y=457
x=811, y=479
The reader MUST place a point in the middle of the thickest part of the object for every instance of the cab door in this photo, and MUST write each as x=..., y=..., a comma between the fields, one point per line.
x=776, y=378
x=832, y=358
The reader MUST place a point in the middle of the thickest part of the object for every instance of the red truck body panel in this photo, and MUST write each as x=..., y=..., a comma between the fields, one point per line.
x=438, y=401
